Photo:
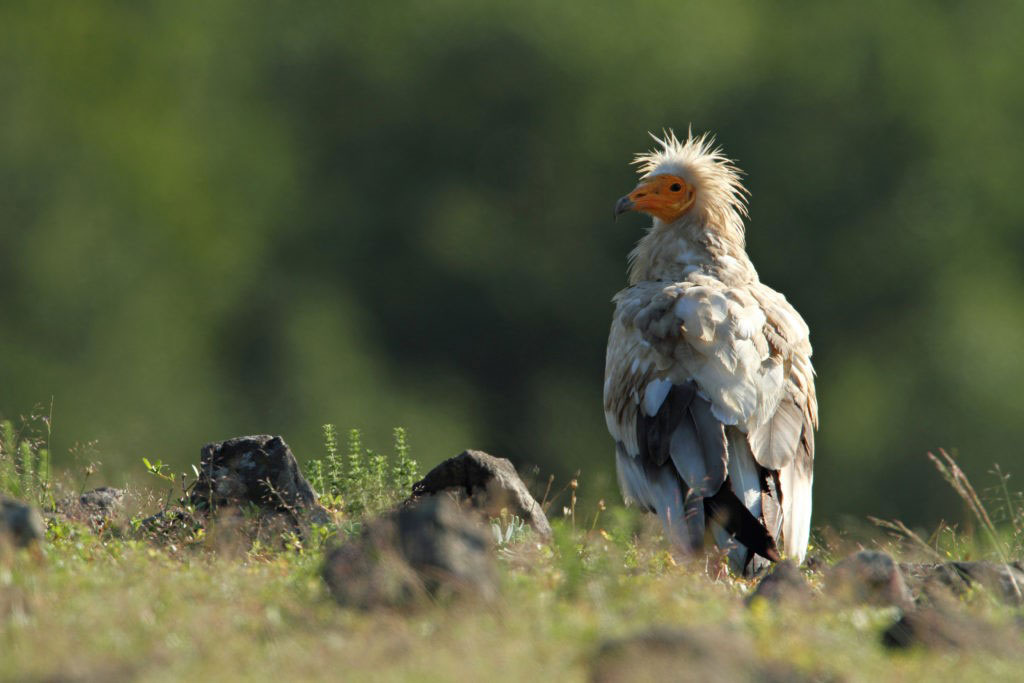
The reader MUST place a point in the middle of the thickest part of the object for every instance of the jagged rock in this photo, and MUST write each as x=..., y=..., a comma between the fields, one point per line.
x=21, y=525
x=258, y=470
x=785, y=583
x=430, y=548
x=871, y=577
x=490, y=483
x=1006, y=581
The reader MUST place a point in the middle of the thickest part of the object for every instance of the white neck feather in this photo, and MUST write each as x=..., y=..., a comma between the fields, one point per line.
x=671, y=251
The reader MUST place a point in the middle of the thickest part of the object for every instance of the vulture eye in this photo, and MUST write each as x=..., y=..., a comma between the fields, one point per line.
x=676, y=187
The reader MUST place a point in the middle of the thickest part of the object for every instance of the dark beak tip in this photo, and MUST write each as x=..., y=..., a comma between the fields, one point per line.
x=623, y=205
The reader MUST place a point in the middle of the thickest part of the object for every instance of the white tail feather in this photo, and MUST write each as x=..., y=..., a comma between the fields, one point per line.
x=796, y=480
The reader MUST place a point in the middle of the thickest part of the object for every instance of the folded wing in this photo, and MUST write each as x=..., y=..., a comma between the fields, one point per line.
x=710, y=388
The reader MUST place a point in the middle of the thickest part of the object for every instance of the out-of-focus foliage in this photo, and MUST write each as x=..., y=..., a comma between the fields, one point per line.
x=223, y=218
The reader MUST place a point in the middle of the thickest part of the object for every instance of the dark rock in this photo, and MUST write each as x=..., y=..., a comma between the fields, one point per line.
x=927, y=627
x=257, y=470
x=948, y=629
x=447, y=546
x=490, y=483
x=785, y=583
x=21, y=525
x=708, y=654
x=871, y=577
x=432, y=548
x=369, y=571
x=1005, y=581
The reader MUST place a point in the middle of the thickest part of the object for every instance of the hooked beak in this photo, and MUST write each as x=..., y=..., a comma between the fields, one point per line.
x=622, y=206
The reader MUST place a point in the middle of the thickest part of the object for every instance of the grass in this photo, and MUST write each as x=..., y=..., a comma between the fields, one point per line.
x=104, y=604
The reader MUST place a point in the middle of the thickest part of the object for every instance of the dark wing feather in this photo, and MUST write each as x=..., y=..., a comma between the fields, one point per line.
x=714, y=447
x=686, y=436
x=730, y=512
x=654, y=432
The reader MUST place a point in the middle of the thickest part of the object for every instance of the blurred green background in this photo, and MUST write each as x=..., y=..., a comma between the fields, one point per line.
x=224, y=218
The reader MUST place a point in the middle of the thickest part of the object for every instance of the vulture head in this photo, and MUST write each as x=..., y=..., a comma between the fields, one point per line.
x=688, y=182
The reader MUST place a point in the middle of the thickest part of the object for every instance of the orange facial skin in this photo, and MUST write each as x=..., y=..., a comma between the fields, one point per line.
x=666, y=197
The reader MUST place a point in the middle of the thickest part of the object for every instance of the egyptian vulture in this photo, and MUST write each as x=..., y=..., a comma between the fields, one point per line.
x=709, y=389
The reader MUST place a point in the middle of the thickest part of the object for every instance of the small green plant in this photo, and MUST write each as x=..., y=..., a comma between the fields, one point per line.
x=508, y=529
x=160, y=470
x=25, y=470
x=1008, y=509
x=405, y=471
x=335, y=467
x=378, y=490
x=363, y=481
x=355, y=480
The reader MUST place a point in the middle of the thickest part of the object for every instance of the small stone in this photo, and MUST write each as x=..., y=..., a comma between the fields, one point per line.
x=96, y=506
x=1005, y=581
x=869, y=577
x=105, y=499
x=491, y=483
x=430, y=548
x=785, y=583
x=21, y=525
